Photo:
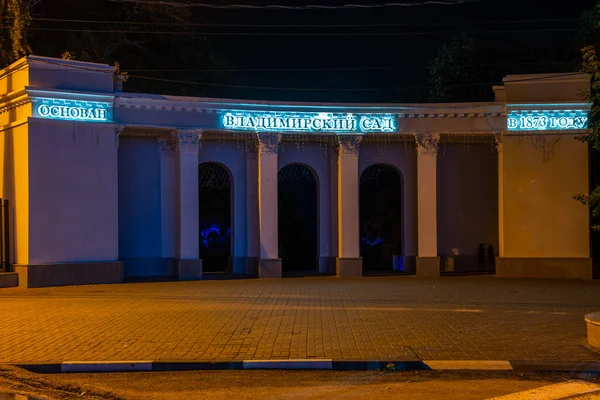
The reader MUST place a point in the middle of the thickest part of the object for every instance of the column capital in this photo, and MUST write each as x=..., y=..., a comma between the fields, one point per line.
x=499, y=142
x=348, y=144
x=166, y=144
x=188, y=139
x=118, y=131
x=268, y=142
x=427, y=143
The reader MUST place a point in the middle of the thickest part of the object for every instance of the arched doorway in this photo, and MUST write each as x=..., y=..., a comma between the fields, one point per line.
x=380, y=218
x=214, y=200
x=298, y=219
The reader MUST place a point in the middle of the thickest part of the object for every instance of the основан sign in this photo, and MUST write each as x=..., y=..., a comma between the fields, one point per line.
x=254, y=121
x=546, y=120
x=70, y=110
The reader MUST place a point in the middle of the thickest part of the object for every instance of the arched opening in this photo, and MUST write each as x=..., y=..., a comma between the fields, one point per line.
x=298, y=219
x=214, y=201
x=381, y=219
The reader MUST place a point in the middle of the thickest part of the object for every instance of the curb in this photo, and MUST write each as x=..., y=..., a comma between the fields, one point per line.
x=309, y=364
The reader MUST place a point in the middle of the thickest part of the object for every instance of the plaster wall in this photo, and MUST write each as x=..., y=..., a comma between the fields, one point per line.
x=403, y=157
x=14, y=186
x=140, y=245
x=233, y=158
x=72, y=192
x=467, y=198
x=539, y=217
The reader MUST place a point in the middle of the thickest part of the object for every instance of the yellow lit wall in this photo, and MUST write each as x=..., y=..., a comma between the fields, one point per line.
x=538, y=216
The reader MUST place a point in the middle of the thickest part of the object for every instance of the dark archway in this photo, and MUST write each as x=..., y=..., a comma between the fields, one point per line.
x=214, y=201
x=298, y=219
x=380, y=218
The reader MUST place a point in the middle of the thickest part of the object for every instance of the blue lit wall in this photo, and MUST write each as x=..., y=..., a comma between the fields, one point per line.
x=547, y=120
x=139, y=207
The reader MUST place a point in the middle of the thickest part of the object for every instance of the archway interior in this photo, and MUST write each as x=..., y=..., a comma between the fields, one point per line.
x=298, y=219
x=214, y=198
x=380, y=218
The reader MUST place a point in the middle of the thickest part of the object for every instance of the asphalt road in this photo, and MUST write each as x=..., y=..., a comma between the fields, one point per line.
x=330, y=385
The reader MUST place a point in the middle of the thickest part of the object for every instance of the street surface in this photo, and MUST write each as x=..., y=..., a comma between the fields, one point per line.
x=375, y=318
x=324, y=385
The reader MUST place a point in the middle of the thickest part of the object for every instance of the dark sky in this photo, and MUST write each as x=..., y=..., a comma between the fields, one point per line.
x=512, y=47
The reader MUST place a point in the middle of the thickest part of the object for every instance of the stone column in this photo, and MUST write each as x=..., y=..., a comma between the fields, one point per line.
x=168, y=196
x=428, y=261
x=189, y=264
x=348, y=261
x=269, y=265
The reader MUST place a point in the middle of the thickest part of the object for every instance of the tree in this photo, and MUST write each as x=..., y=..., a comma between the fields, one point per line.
x=137, y=36
x=456, y=71
x=590, y=64
x=14, y=19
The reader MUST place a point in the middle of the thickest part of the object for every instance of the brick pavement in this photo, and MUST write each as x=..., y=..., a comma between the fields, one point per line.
x=400, y=318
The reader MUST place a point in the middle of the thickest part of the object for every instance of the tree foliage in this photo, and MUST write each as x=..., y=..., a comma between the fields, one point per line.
x=456, y=71
x=112, y=32
x=14, y=19
x=590, y=64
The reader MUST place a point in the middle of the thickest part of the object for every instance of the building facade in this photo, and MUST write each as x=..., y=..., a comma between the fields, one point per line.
x=103, y=185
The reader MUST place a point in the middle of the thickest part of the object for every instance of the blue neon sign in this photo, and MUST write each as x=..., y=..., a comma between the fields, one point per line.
x=547, y=120
x=333, y=123
x=72, y=110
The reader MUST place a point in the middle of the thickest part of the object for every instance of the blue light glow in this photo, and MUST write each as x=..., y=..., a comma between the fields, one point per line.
x=547, y=120
x=255, y=121
x=212, y=234
x=72, y=110
x=372, y=242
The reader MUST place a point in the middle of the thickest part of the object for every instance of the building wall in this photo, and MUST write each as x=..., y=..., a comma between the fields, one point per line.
x=403, y=157
x=140, y=244
x=539, y=216
x=72, y=192
x=467, y=198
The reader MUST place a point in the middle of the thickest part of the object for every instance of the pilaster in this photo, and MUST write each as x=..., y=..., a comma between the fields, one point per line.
x=428, y=264
x=190, y=265
x=269, y=265
x=348, y=261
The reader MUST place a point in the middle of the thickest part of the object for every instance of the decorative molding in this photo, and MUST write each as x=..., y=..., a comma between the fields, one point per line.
x=189, y=139
x=499, y=142
x=349, y=144
x=268, y=142
x=427, y=143
x=118, y=131
x=166, y=144
x=13, y=105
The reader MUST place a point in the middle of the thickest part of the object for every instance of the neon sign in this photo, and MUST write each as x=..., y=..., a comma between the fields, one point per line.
x=547, y=120
x=307, y=122
x=73, y=110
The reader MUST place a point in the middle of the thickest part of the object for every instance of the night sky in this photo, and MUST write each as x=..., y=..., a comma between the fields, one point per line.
x=398, y=61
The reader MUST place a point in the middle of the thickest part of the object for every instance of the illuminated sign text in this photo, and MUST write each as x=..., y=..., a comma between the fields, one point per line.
x=308, y=122
x=547, y=120
x=72, y=110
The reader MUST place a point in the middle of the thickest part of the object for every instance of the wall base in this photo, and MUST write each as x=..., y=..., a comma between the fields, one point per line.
x=552, y=268
x=92, y=273
x=428, y=267
x=269, y=268
x=326, y=265
x=348, y=267
x=245, y=266
x=9, y=279
x=593, y=329
x=149, y=267
x=189, y=270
